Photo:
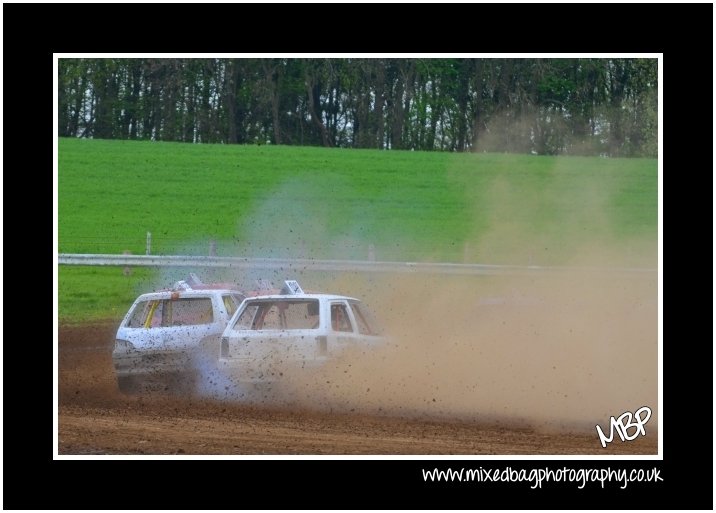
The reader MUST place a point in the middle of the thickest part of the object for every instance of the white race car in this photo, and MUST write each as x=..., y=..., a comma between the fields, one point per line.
x=166, y=334
x=270, y=333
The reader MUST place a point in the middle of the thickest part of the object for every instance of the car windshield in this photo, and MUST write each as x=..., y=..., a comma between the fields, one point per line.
x=162, y=313
x=278, y=315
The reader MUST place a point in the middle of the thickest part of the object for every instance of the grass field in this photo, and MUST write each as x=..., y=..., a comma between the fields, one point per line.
x=306, y=202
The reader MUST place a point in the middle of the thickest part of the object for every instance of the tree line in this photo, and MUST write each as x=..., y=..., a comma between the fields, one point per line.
x=589, y=106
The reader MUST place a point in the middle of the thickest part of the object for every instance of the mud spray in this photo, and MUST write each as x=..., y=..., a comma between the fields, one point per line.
x=550, y=349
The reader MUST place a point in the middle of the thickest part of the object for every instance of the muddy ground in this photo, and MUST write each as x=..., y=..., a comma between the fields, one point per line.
x=96, y=419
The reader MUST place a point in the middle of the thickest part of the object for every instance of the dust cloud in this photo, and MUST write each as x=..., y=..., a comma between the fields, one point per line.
x=562, y=345
x=562, y=352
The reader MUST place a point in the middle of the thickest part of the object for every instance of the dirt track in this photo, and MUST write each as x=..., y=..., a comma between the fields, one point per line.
x=94, y=418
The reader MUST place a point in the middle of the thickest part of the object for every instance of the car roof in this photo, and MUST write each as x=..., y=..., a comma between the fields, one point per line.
x=188, y=293
x=293, y=297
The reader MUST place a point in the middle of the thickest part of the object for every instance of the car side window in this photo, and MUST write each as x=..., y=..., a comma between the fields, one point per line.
x=339, y=318
x=188, y=311
x=363, y=326
x=279, y=315
x=163, y=313
x=231, y=303
x=246, y=319
x=146, y=314
x=270, y=318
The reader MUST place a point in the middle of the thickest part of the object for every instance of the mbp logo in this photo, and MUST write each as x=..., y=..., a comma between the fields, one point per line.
x=624, y=423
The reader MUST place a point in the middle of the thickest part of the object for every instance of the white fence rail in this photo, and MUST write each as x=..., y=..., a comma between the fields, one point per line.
x=321, y=265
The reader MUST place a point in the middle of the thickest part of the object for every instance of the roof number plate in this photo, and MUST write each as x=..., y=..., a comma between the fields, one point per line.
x=291, y=287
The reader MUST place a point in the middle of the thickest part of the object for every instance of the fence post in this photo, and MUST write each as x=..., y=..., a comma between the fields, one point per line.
x=371, y=253
x=212, y=247
x=127, y=271
x=149, y=243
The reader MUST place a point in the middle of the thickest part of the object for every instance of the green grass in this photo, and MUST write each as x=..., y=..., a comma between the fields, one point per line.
x=91, y=293
x=307, y=202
